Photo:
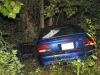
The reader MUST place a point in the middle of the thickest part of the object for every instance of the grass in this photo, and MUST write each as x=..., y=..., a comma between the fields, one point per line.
x=54, y=69
x=30, y=65
x=79, y=67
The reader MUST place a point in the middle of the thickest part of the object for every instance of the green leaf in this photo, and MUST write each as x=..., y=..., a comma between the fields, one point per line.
x=89, y=35
x=88, y=21
x=6, y=2
x=99, y=42
x=12, y=3
x=4, y=11
x=12, y=15
x=91, y=63
x=8, y=7
x=0, y=7
x=94, y=57
x=16, y=9
x=14, y=52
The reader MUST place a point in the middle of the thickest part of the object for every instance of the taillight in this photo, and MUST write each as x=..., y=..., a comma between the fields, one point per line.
x=44, y=48
x=89, y=42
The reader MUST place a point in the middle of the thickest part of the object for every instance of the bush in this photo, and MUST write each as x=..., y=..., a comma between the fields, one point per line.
x=9, y=63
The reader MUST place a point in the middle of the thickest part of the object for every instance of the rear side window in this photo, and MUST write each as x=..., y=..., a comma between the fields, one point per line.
x=59, y=31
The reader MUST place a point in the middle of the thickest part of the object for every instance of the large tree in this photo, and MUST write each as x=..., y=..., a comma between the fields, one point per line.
x=55, y=12
x=72, y=8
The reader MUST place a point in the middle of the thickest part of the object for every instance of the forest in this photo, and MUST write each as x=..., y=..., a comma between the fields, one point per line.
x=20, y=21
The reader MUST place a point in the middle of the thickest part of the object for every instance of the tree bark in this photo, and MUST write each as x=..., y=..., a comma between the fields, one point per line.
x=50, y=21
x=81, y=17
x=41, y=15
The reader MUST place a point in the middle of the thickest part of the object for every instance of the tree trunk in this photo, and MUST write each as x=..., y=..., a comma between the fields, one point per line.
x=41, y=15
x=50, y=21
x=81, y=17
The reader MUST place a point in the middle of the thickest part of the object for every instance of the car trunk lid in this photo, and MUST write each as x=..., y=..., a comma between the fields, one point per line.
x=65, y=42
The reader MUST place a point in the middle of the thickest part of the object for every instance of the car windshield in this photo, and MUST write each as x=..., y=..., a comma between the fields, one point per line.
x=59, y=31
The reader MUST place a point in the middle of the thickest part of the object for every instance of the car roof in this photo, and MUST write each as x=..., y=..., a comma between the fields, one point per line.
x=57, y=26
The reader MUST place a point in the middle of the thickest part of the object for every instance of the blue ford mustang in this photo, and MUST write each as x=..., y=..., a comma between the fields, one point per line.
x=62, y=42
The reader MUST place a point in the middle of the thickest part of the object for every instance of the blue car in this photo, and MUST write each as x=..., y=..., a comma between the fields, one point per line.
x=62, y=42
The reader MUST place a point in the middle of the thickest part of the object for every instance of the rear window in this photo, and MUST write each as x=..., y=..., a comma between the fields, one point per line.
x=59, y=31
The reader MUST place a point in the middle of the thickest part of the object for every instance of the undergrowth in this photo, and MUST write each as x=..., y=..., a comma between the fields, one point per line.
x=76, y=67
x=10, y=65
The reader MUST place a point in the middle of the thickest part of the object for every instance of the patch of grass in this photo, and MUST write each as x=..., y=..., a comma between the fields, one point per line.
x=77, y=67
